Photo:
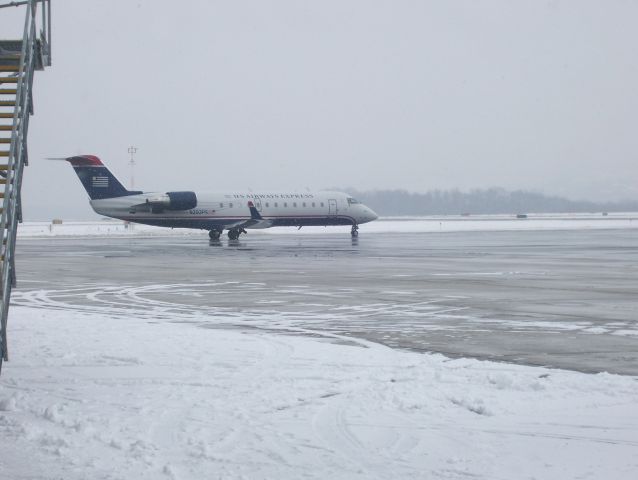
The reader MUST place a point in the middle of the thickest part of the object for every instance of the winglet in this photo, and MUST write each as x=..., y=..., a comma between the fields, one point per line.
x=254, y=214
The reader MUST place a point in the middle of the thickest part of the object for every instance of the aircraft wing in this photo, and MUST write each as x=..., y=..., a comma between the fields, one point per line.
x=256, y=220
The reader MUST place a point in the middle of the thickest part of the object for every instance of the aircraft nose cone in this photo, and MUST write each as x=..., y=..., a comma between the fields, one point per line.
x=370, y=215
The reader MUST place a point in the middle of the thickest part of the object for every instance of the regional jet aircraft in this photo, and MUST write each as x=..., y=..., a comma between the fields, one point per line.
x=216, y=212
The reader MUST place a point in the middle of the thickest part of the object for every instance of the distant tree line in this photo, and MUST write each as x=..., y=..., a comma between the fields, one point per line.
x=488, y=201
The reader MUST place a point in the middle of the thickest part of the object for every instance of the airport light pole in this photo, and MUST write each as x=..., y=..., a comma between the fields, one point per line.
x=132, y=150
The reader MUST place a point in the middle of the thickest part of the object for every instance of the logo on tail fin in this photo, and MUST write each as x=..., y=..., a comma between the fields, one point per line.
x=100, y=182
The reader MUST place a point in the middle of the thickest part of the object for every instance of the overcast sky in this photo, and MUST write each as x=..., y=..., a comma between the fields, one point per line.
x=415, y=95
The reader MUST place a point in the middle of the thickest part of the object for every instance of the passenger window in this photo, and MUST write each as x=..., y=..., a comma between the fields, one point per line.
x=230, y=205
x=285, y=204
x=276, y=204
x=322, y=204
x=267, y=204
x=221, y=205
x=294, y=204
x=313, y=204
x=303, y=204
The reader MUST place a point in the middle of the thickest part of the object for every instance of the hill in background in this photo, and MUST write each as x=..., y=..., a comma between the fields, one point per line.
x=489, y=201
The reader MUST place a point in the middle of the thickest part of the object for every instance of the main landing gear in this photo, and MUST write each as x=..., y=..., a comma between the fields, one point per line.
x=354, y=232
x=234, y=233
x=215, y=234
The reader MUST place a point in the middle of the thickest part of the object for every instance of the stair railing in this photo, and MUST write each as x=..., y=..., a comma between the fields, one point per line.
x=18, y=157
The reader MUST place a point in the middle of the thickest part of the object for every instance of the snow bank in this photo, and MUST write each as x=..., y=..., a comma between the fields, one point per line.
x=92, y=395
x=102, y=229
x=383, y=225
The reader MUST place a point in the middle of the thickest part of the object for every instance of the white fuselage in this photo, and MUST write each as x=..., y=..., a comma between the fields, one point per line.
x=232, y=210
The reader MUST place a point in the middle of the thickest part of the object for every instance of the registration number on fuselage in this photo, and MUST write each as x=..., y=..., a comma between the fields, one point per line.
x=198, y=211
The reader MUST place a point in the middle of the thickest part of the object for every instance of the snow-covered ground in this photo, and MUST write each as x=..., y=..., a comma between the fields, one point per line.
x=116, y=393
x=115, y=396
x=447, y=223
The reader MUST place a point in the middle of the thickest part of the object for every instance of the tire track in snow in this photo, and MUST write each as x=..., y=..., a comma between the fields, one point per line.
x=133, y=301
x=331, y=423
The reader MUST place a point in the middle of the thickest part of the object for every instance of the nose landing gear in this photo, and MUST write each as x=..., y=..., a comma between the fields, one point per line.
x=354, y=232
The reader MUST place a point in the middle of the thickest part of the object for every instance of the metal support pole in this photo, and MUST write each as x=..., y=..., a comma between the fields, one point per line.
x=132, y=150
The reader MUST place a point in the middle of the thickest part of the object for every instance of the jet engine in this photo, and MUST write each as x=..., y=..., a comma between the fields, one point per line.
x=172, y=201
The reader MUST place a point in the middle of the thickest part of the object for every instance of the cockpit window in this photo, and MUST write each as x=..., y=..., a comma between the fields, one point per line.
x=352, y=201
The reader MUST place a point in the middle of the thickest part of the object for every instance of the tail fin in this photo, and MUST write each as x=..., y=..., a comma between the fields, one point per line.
x=98, y=181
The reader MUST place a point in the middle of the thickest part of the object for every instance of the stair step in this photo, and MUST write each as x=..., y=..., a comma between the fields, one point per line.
x=3, y=181
x=13, y=45
x=6, y=127
x=15, y=63
x=7, y=103
x=6, y=115
x=5, y=140
x=8, y=91
x=4, y=167
x=9, y=79
x=9, y=68
x=4, y=153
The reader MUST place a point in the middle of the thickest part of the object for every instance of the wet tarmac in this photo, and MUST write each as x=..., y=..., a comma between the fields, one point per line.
x=565, y=299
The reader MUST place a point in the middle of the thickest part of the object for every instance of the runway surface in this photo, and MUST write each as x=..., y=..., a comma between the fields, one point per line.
x=557, y=298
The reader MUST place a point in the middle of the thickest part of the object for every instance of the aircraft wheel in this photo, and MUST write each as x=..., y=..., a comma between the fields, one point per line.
x=233, y=234
x=355, y=230
x=214, y=234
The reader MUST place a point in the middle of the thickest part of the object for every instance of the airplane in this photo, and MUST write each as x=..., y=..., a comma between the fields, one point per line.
x=216, y=212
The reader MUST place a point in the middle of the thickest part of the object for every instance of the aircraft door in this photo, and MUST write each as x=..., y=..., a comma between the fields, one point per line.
x=257, y=203
x=332, y=207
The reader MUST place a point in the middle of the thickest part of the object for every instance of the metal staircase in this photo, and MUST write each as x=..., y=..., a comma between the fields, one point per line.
x=19, y=59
